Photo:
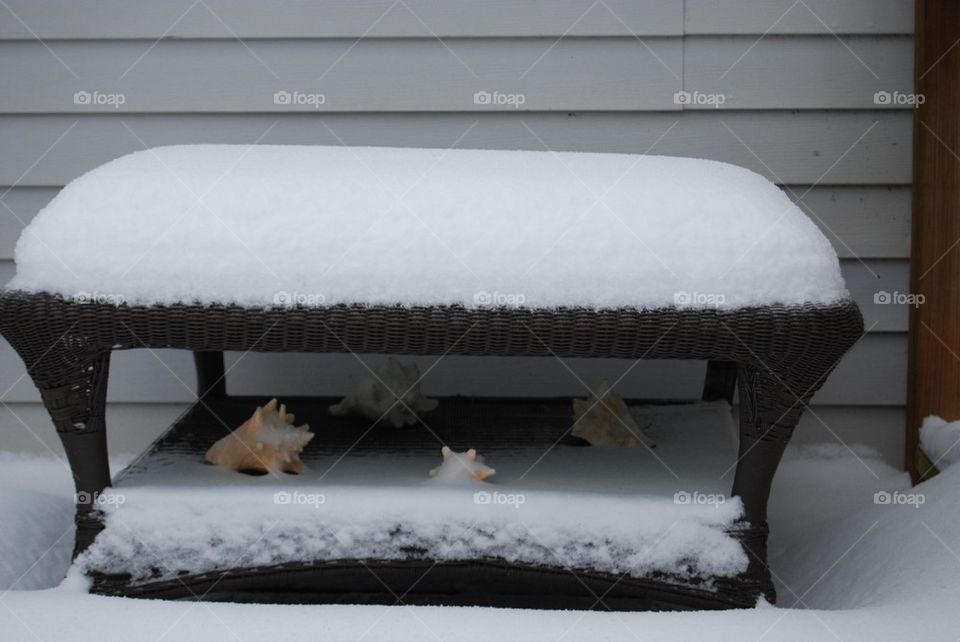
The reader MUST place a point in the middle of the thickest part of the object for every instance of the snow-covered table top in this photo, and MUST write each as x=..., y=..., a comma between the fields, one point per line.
x=281, y=225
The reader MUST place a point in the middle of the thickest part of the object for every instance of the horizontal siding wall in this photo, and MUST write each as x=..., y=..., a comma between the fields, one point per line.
x=614, y=73
x=852, y=147
x=797, y=80
x=229, y=19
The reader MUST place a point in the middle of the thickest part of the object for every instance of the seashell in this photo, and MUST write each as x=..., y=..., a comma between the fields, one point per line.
x=391, y=395
x=605, y=420
x=267, y=442
x=459, y=466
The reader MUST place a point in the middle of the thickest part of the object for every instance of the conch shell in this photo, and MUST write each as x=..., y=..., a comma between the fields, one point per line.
x=605, y=420
x=462, y=466
x=391, y=395
x=267, y=442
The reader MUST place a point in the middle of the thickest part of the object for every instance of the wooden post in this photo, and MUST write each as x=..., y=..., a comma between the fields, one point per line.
x=933, y=378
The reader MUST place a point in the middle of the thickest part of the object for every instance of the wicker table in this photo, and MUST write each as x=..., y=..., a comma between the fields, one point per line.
x=779, y=356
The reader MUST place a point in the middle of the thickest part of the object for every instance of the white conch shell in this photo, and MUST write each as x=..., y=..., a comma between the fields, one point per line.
x=267, y=441
x=605, y=420
x=462, y=466
x=376, y=397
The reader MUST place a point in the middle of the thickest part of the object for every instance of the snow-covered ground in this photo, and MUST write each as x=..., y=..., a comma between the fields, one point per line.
x=857, y=555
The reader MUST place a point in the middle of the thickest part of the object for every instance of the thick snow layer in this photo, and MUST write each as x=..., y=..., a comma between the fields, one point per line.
x=285, y=225
x=611, y=510
x=863, y=572
x=198, y=531
x=939, y=440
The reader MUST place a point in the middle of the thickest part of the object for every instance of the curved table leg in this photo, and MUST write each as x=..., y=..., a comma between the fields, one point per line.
x=769, y=411
x=72, y=379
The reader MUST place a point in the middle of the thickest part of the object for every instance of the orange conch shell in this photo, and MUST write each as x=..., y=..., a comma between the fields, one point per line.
x=267, y=442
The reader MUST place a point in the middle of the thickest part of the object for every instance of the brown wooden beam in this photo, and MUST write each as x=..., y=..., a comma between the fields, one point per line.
x=934, y=358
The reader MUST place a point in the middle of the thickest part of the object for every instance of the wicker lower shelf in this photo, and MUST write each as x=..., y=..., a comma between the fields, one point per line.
x=517, y=430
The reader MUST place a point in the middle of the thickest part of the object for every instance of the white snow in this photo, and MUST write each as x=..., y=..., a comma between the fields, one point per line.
x=37, y=517
x=36, y=531
x=201, y=531
x=181, y=515
x=939, y=440
x=846, y=568
x=864, y=571
x=310, y=225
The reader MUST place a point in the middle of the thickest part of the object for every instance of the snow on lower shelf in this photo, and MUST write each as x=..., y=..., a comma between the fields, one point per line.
x=282, y=225
x=225, y=528
x=611, y=510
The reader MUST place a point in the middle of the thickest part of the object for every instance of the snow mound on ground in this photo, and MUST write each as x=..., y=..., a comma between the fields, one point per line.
x=43, y=531
x=939, y=440
x=891, y=549
x=153, y=532
x=36, y=531
x=309, y=225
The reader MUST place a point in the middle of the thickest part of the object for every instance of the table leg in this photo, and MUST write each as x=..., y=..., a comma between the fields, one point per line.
x=73, y=385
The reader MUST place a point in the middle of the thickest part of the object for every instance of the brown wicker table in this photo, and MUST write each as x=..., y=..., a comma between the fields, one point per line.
x=778, y=356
